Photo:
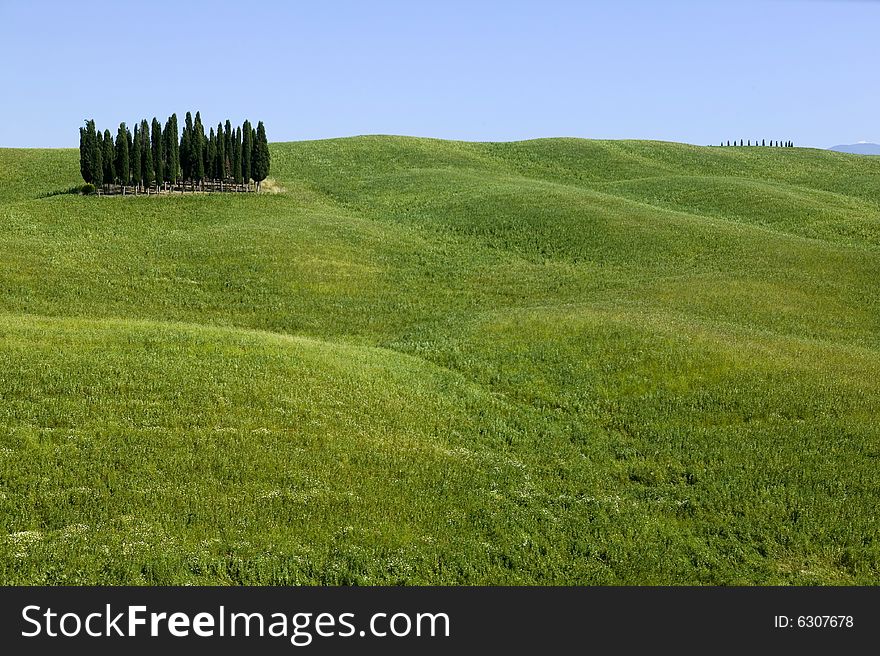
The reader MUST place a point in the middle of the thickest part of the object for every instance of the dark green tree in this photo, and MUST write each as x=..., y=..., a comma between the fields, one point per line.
x=174, y=156
x=227, y=149
x=96, y=148
x=83, y=155
x=123, y=170
x=147, y=171
x=94, y=166
x=108, y=158
x=260, y=159
x=167, y=152
x=198, y=149
x=136, y=159
x=211, y=155
x=236, y=156
x=220, y=154
x=247, y=151
x=186, y=148
x=156, y=146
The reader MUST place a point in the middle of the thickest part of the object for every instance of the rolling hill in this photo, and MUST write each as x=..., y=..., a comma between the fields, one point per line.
x=427, y=362
x=861, y=148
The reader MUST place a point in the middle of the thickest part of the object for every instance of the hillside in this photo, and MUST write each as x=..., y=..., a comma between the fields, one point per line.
x=861, y=148
x=555, y=361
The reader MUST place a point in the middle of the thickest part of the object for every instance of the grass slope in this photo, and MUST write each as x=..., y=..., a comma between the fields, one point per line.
x=555, y=361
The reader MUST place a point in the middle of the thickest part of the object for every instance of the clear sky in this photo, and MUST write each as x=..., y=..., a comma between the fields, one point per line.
x=807, y=70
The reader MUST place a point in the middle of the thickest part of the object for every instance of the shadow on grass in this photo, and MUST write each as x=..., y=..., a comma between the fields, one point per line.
x=75, y=189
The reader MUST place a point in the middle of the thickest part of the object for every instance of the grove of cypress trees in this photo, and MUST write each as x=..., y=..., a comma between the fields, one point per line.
x=108, y=158
x=260, y=159
x=153, y=154
x=123, y=171
x=247, y=151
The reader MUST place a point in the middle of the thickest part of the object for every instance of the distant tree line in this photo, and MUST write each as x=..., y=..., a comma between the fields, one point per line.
x=772, y=144
x=154, y=157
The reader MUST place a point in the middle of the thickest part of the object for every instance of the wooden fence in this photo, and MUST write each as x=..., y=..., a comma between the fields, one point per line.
x=206, y=187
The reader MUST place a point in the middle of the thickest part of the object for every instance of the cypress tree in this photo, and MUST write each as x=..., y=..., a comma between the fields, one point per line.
x=122, y=159
x=236, y=156
x=108, y=158
x=96, y=165
x=198, y=148
x=87, y=155
x=220, y=156
x=211, y=155
x=146, y=155
x=260, y=159
x=93, y=155
x=83, y=156
x=136, y=158
x=167, y=154
x=174, y=157
x=227, y=149
x=186, y=148
x=156, y=147
x=247, y=151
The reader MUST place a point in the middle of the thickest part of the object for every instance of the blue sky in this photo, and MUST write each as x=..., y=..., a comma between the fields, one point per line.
x=697, y=72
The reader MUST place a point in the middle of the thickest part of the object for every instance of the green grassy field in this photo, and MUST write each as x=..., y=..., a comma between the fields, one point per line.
x=428, y=362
